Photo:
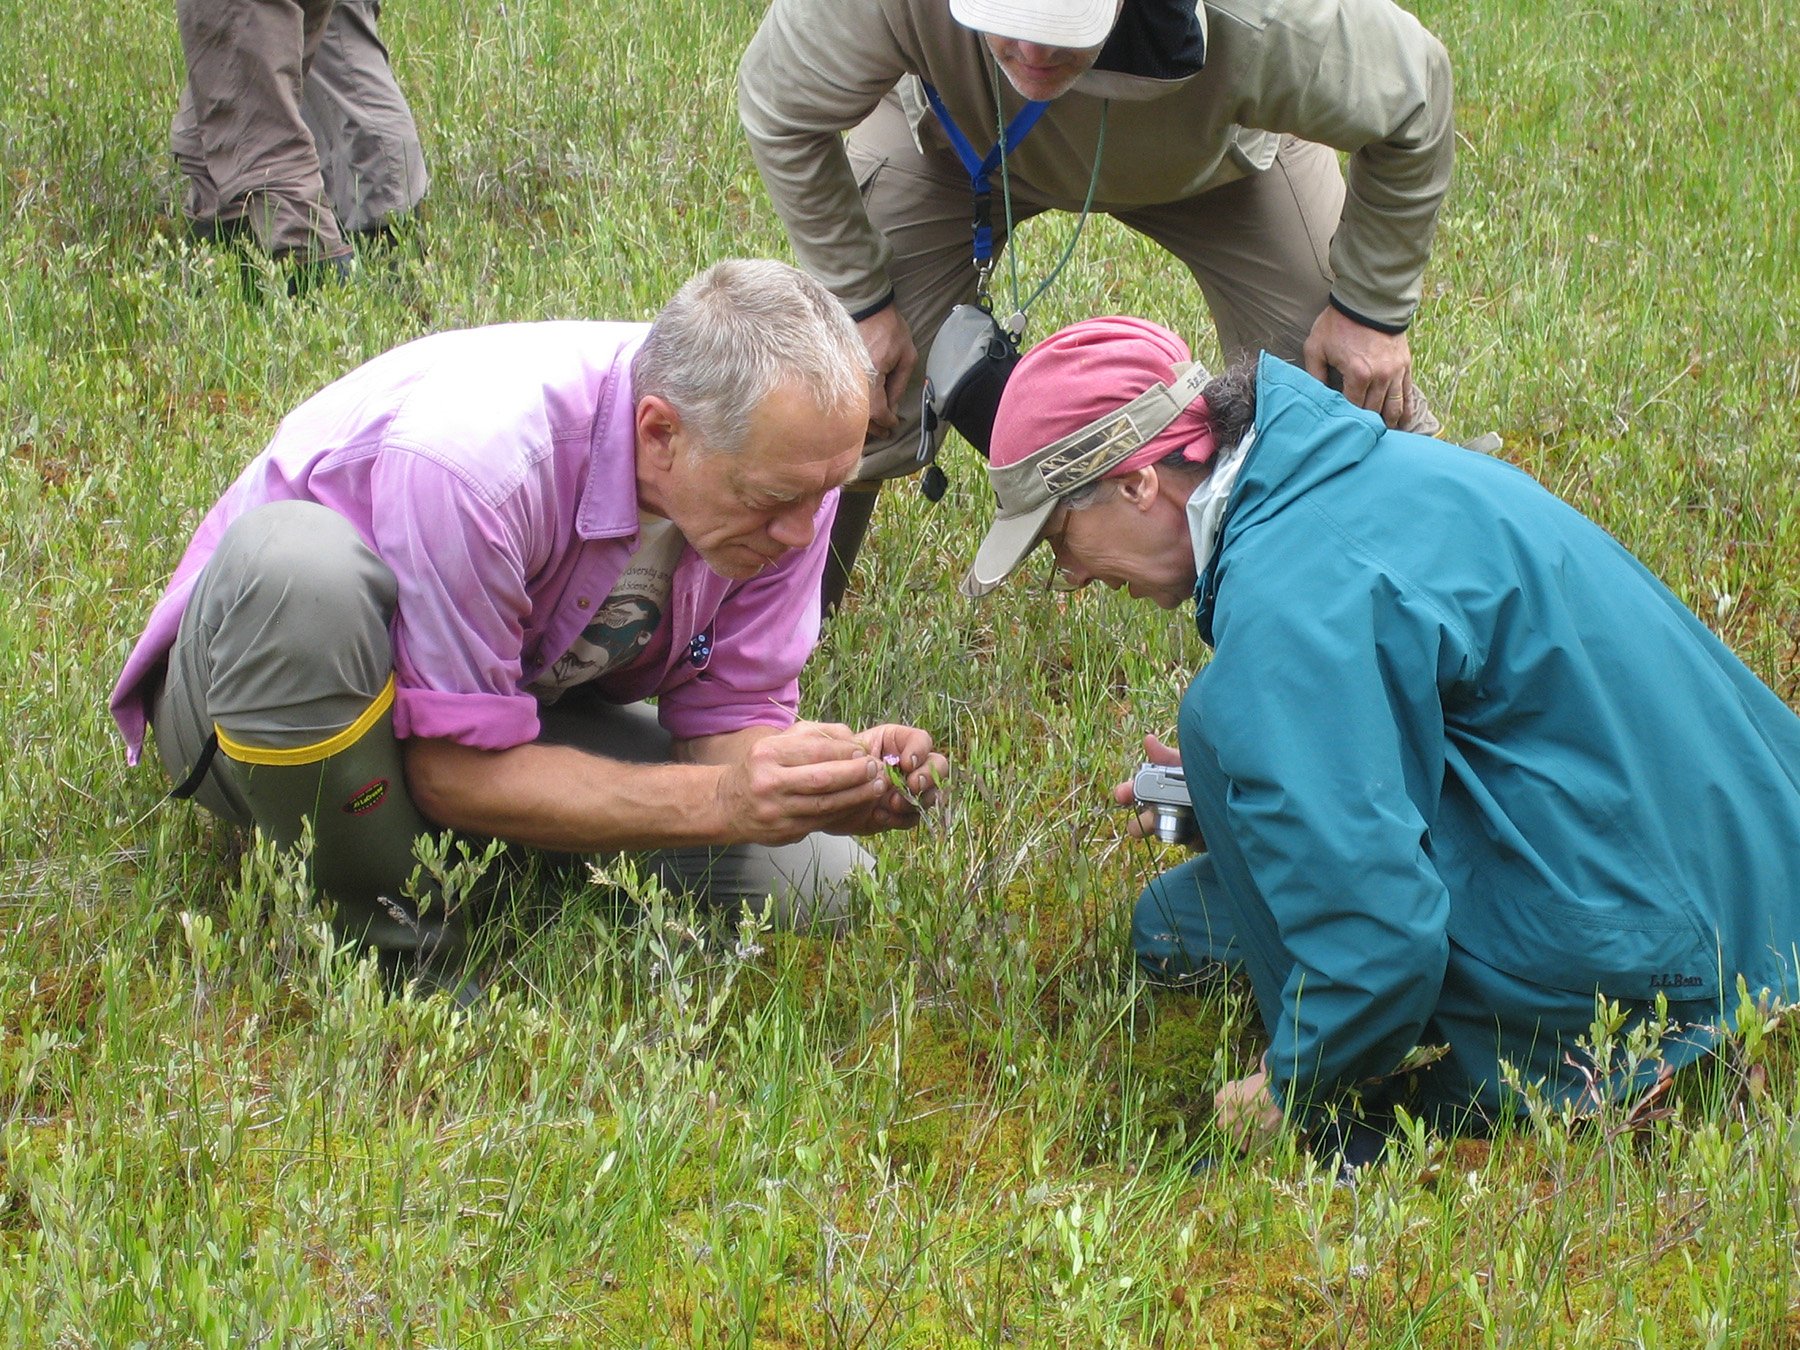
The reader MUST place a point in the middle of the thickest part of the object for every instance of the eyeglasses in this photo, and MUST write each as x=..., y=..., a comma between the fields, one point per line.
x=1056, y=577
x=1059, y=582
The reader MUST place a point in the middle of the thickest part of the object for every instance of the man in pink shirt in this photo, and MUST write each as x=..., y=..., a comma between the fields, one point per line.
x=439, y=596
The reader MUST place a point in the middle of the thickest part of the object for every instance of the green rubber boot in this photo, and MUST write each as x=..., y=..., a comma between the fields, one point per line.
x=352, y=786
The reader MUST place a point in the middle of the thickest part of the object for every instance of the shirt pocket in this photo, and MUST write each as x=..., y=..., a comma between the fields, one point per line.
x=1252, y=149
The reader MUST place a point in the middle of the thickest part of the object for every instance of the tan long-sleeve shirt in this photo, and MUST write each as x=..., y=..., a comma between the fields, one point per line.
x=1362, y=76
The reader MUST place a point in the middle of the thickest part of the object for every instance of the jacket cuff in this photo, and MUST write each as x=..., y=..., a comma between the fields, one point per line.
x=1390, y=329
x=870, y=311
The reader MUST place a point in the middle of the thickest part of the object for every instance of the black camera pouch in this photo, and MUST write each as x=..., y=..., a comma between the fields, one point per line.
x=965, y=374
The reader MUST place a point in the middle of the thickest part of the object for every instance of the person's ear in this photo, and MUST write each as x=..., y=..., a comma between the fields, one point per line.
x=1140, y=486
x=658, y=431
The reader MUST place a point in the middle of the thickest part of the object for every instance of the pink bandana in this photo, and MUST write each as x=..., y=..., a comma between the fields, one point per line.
x=1082, y=373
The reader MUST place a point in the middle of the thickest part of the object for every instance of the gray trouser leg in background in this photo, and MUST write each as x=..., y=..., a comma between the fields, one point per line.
x=238, y=133
x=1261, y=250
x=808, y=883
x=367, y=140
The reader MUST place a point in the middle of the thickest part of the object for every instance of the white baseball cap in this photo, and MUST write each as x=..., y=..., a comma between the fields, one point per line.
x=1052, y=23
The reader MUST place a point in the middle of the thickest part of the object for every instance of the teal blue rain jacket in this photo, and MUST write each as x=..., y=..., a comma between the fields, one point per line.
x=1463, y=763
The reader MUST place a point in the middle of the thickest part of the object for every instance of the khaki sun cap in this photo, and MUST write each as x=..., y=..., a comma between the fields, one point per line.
x=1029, y=489
x=1050, y=23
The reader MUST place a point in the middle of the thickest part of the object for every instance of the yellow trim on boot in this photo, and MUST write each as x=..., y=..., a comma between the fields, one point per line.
x=310, y=754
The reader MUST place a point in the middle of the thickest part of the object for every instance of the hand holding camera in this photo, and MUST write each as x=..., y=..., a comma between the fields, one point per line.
x=1162, y=792
x=1159, y=790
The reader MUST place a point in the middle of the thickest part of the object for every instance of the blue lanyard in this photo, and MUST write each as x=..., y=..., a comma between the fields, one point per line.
x=980, y=166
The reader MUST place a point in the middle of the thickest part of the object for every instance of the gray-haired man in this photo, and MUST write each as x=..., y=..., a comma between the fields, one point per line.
x=437, y=599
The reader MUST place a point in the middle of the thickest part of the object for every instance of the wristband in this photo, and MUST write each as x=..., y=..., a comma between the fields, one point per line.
x=1392, y=330
x=869, y=312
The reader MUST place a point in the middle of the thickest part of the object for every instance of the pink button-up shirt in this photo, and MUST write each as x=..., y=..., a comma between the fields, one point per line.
x=494, y=470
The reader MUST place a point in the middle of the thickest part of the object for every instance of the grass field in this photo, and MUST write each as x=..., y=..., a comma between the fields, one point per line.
x=967, y=1124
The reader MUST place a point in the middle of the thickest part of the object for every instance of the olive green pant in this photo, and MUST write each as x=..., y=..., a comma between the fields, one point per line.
x=284, y=656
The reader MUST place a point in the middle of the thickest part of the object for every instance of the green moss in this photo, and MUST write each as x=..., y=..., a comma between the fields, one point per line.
x=1173, y=1058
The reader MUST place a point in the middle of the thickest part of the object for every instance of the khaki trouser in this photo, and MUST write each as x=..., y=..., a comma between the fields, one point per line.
x=291, y=121
x=1258, y=246
x=284, y=650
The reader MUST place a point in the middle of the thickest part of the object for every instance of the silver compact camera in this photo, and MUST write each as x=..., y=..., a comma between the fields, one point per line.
x=1162, y=788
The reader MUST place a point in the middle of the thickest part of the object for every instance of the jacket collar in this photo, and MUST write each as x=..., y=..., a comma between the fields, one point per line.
x=1303, y=434
x=1156, y=47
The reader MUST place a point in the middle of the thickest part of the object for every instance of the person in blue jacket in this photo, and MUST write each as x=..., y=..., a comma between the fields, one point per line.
x=1460, y=762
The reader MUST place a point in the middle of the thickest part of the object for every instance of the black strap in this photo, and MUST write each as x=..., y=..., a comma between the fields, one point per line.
x=1391, y=329
x=933, y=483
x=188, y=786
